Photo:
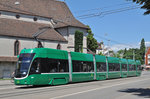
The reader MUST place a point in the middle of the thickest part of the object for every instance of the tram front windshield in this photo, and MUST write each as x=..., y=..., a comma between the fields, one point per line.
x=23, y=64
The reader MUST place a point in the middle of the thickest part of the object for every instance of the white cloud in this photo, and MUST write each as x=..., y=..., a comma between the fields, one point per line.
x=147, y=44
x=121, y=46
x=117, y=47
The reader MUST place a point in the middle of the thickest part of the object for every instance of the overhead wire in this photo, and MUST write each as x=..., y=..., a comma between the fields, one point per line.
x=107, y=12
x=111, y=40
x=121, y=4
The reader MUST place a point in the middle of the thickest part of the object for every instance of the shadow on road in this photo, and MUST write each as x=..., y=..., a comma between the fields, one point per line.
x=138, y=91
x=29, y=87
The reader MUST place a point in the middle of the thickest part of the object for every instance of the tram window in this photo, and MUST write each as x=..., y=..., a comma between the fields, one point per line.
x=63, y=66
x=132, y=67
x=57, y=65
x=80, y=66
x=101, y=67
x=117, y=67
x=35, y=67
x=111, y=67
x=124, y=67
x=46, y=65
x=90, y=66
x=114, y=66
x=77, y=66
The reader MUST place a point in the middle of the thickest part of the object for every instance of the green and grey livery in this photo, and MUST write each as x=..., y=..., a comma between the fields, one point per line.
x=45, y=66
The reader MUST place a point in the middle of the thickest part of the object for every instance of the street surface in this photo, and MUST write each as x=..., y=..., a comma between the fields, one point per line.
x=125, y=88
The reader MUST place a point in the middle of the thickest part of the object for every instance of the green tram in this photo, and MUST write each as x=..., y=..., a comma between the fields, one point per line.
x=45, y=66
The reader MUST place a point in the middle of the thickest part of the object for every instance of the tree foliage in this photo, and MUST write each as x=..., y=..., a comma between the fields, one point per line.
x=91, y=41
x=142, y=50
x=124, y=53
x=145, y=5
x=132, y=52
x=101, y=54
x=78, y=41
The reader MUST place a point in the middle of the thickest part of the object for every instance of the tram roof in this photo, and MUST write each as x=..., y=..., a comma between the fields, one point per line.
x=113, y=60
x=130, y=61
x=47, y=53
x=100, y=58
x=81, y=56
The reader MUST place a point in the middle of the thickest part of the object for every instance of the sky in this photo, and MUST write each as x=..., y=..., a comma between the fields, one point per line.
x=117, y=30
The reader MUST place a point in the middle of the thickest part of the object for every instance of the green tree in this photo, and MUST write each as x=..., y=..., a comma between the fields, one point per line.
x=128, y=54
x=91, y=41
x=142, y=50
x=145, y=5
x=116, y=55
x=120, y=53
x=124, y=54
x=78, y=41
x=101, y=54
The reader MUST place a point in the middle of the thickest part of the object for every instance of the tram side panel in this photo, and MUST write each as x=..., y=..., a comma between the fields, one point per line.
x=139, y=69
x=113, y=67
x=57, y=67
x=82, y=67
x=124, y=67
x=101, y=67
x=131, y=68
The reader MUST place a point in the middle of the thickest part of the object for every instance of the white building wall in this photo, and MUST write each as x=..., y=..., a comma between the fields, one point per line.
x=53, y=45
x=7, y=45
x=27, y=44
x=69, y=33
x=148, y=61
x=85, y=44
x=64, y=32
x=6, y=69
x=149, y=56
x=71, y=44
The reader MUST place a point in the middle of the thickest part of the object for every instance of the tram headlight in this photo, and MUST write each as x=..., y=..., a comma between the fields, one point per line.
x=32, y=77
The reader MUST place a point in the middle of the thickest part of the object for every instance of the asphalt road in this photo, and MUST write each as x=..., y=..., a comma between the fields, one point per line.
x=125, y=88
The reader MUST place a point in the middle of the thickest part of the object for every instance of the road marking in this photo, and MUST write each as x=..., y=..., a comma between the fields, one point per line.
x=95, y=89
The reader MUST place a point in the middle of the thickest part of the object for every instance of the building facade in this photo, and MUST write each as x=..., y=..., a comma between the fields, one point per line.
x=20, y=19
x=147, y=57
x=100, y=48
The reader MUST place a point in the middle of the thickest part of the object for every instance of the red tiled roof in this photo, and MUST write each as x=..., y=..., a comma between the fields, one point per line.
x=47, y=8
x=17, y=28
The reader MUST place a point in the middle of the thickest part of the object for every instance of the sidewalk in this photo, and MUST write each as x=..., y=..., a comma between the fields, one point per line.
x=5, y=82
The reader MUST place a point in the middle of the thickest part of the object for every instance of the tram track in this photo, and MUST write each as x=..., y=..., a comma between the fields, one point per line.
x=18, y=91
